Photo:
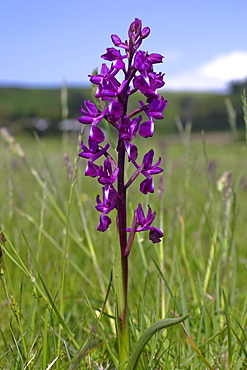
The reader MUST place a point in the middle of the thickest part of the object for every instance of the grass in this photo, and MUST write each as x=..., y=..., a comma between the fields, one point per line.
x=58, y=298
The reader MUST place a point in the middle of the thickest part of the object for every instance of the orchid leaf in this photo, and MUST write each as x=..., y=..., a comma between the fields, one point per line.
x=147, y=335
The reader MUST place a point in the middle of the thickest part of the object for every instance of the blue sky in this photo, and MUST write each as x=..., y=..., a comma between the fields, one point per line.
x=44, y=42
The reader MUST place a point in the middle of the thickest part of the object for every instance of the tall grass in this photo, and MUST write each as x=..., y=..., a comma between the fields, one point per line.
x=57, y=297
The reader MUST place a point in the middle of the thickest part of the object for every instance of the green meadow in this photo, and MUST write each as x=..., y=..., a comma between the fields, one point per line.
x=57, y=296
x=207, y=111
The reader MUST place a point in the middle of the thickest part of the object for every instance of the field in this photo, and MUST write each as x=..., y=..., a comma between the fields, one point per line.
x=19, y=107
x=58, y=296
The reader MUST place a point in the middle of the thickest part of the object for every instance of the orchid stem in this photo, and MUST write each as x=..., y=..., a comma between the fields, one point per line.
x=138, y=75
x=122, y=290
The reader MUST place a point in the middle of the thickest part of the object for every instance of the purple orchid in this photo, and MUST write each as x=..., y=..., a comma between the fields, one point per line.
x=93, y=116
x=104, y=223
x=128, y=133
x=149, y=169
x=141, y=62
x=92, y=169
x=115, y=110
x=109, y=88
x=148, y=83
x=93, y=151
x=137, y=67
x=144, y=223
x=156, y=107
x=106, y=174
x=105, y=206
x=153, y=111
x=118, y=42
x=104, y=72
x=115, y=56
x=147, y=186
x=112, y=54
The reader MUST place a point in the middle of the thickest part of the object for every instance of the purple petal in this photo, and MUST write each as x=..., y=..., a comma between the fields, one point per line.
x=147, y=129
x=104, y=223
x=148, y=159
x=141, y=62
x=135, y=29
x=109, y=200
x=156, y=107
x=93, y=145
x=92, y=169
x=147, y=186
x=96, y=134
x=140, y=215
x=86, y=120
x=150, y=216
x=104, y=70
x=118, y=64
x=140, y=83
x=116, y=40
x=155, y=58
x=112, y=54
x=95, y=79
x=155, y=235
x=145, y=32
x=116, y=108
x=131, y=150
x=91, y=107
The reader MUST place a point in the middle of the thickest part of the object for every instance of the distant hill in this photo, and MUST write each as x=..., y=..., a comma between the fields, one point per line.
x=18, y=106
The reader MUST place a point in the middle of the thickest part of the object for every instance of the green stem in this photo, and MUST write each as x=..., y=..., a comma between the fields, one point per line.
x=122, y=263
x=122, y=323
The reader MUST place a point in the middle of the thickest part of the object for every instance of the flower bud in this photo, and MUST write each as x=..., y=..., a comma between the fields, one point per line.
x=155, y=58
x=116, y=40
x=145, y=32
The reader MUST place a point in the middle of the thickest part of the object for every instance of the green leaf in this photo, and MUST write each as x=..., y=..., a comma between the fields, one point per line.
x=147, y=335
x=228, y=322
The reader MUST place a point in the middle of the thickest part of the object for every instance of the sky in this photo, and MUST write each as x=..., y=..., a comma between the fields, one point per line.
x=44, y=43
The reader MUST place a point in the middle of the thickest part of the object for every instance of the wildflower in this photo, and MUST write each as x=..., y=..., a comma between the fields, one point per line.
x=141, y=62
x=135, y=29
x=153, y=111
x=108, y=203
x=115, y=109
x=118, y=42
x=93, y=151
x=92, y=169
x=106, y=174
x=114, y=55
x=144, y=223
x=97, y=79
x=93, y=116
x=147, y=186
x=104, y=223
x=149, y=169
x=128, y=133
x=156, y=107
x=139, y=75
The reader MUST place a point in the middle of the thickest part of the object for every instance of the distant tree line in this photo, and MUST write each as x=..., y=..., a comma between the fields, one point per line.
x=25, y=110
x=237, y=87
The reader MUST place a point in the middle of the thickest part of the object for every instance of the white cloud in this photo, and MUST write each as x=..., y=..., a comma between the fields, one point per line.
x=231, y=66
x=214, y=75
